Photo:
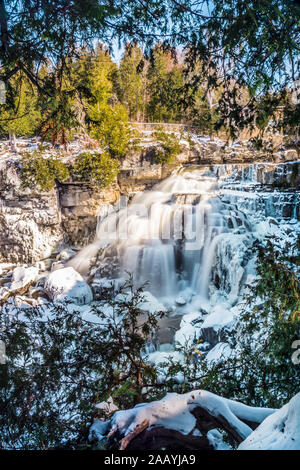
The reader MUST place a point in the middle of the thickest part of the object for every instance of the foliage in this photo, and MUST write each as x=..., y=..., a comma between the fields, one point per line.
x=246, y=43
x=59, y=365
x=41, y=171
x=131, y=82
x=169, y=146
x=261, y=372
x=165, y=86
x=110, y=126
x=19, y=116
x=128, y=329
x=242, y=43
x=58, y=109
x=92, y=73
x=97, y=168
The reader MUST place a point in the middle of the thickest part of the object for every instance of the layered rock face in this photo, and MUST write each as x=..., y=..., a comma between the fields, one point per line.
x=80, y=206
x=34, y=224
x=30, y=221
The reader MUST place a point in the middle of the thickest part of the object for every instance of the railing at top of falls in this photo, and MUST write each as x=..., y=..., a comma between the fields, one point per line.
x=189, y=128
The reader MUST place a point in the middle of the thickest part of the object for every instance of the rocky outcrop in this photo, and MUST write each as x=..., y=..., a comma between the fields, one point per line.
x=34, y=224
x=67, y=284
x=22, y=278
x=80, y=206
x=30, y=220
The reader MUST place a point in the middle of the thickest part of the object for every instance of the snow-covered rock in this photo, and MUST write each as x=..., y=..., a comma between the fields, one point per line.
x=221, y=351
x=22, y=278
x=68, y=284
x=107, y=407
x=66, y=254
x=151, y=304
x=280, y=431
x=180, y=300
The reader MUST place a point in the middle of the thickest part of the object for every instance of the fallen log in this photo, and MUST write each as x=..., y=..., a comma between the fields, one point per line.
x=180, y=422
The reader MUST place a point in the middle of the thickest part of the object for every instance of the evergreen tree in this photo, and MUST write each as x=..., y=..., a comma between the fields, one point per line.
x=59, y=120
x=132, y=82
x=93, y=73
x=59, y=365
x=19, y=116
x=111, y=128
x=165, y=83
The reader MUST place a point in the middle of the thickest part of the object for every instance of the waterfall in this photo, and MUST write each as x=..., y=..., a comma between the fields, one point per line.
x=191, y=232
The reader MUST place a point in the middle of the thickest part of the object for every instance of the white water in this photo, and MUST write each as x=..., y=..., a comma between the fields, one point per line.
x=190, y=234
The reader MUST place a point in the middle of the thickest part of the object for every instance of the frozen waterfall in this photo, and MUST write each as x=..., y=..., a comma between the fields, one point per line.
x=192, y=233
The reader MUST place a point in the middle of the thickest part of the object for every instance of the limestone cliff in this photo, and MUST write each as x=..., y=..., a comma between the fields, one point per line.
x=34, y=224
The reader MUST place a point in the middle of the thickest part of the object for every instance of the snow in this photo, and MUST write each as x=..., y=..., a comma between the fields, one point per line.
x=107, y=406
x=159, y=357
x=174, y=412
x=22, y=278
x=220, y=351
x=186, y=332
x=151, y=304
x=67, y=284
x=280, y=431
x=180, y=300
x=216, y=440
x=66, y=254
x=219, y=316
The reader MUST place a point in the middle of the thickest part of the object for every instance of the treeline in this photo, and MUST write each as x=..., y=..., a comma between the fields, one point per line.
x=90, y=94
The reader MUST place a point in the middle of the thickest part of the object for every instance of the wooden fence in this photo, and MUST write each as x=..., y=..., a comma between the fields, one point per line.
x=181, y=127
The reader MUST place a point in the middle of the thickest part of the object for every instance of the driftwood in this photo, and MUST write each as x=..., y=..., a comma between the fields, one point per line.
x=138, y=430
x=155, y=438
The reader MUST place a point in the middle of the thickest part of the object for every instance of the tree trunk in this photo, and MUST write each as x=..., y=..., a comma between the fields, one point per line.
x=13, y=142
x=3, y=29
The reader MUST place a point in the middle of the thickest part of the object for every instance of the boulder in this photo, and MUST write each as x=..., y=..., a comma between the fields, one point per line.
x=66, y=254
x=180, y=300
x=210, y=335
x=68, y=284
x=22, y=278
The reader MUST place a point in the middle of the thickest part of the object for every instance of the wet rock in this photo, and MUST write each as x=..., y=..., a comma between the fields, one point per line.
x=290, y=155
x=4, y=294
x=210, y=335
x=180, y=301
x=287, y=211
x=66, y=254
x=167, y=329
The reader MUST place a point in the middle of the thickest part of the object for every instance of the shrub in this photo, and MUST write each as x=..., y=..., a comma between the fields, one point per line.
x=168, y=148
x=112, y=129
x=41, y=171
x=59, y=364
x=96, y=168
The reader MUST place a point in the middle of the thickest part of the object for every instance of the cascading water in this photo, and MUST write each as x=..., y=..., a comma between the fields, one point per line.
x=190, y=237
